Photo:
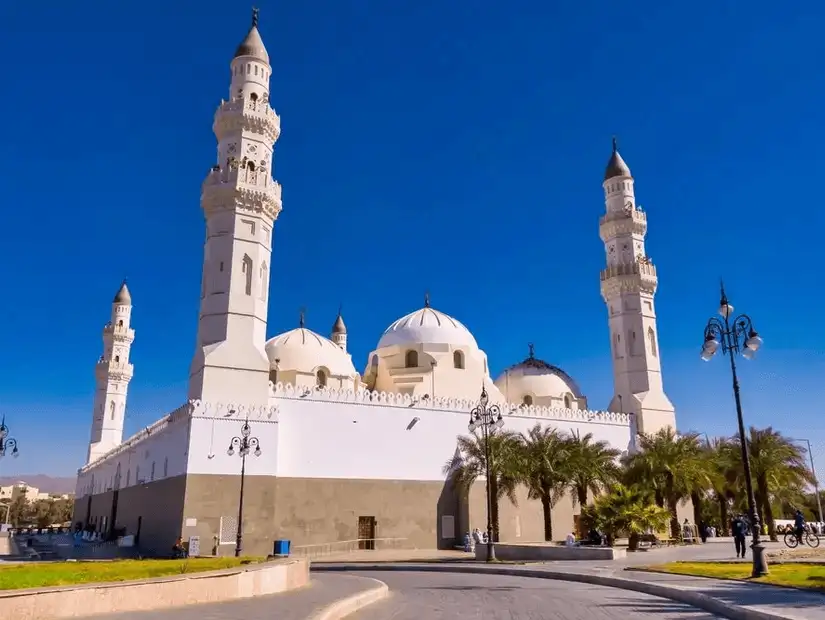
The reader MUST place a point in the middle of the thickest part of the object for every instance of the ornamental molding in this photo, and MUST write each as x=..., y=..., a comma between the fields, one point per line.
x=452, y=405
x=625, y=222
x=247, y=115
x=230, y=197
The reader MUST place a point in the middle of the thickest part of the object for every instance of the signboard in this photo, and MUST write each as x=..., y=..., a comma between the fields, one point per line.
x=194, y=546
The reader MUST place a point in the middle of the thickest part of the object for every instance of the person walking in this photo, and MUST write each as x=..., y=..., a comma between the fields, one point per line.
x=739, y=530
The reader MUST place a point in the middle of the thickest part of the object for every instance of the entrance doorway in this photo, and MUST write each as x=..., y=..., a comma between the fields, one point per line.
x=366, y=533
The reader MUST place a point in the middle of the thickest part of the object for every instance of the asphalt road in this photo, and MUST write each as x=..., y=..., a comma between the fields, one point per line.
x=432, y=596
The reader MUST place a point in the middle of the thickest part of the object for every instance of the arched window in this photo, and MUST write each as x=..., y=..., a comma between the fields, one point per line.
x=568, y=401
x=128, y=477
x=246, y=269
x=528, y=400
x=112, y=410
x=458, y=359
x=411, y=359
x=321, y=378
x=117, y=359
x=254, y=96
x=120, y=323
x=651, y=337
x=137, y=474
x=264, y=280
x=165, y=467
x=152, y=473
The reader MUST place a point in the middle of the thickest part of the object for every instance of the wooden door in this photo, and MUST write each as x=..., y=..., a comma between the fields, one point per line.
x=366, y=533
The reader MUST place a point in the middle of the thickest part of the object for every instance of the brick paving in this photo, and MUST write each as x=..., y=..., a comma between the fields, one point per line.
x=324, y=590
x=452, y=596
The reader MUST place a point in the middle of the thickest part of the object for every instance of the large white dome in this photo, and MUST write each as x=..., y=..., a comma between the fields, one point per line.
x=427, y=326
x=303, y=350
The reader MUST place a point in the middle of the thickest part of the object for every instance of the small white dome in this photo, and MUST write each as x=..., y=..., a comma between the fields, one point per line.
x=303, y=350
x=427, y=326
x=538, y=379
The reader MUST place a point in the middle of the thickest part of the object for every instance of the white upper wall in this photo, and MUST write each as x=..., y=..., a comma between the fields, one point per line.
x=327, y=434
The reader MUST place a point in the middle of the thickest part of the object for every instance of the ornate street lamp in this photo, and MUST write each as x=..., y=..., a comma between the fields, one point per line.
x=738, y=336
x=6, y=442
x=242, y=445
x=488, y=419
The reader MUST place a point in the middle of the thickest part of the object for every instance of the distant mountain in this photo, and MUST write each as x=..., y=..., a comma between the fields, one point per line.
x=46, y=484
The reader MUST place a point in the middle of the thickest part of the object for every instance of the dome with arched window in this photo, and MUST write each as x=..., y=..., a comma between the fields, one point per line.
x=302, y=357
x=535, y=382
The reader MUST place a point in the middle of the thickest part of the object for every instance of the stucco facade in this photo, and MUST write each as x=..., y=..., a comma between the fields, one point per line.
x=339, y=447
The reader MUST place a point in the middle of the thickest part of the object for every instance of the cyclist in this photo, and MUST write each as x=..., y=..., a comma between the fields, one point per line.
x=799, y=525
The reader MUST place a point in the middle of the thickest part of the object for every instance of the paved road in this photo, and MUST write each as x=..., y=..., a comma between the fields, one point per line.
x=451, y=596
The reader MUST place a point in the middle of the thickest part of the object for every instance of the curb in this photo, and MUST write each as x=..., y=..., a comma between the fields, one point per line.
x=688, y=597
x=355, y=602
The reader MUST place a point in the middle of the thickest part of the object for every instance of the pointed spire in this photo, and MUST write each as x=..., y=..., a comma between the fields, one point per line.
x=532, y=349
x=302, y=318
x=123, y=297
x=253, y=44
x=616, y=167
x=426, y=299
x=339, y=327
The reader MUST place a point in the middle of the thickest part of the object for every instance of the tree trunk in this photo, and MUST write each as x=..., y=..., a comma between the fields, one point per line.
x=581, y=492
x=723, y=513
x=659, y=498
x=672, y=503
x=633, y=542
x=548, y=521
x=762, y=483
x=696, y=499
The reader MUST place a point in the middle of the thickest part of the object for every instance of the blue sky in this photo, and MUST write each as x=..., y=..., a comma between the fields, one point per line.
x=452, y=147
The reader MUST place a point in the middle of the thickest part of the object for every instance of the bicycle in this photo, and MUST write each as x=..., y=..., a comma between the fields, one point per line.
x=809, y=538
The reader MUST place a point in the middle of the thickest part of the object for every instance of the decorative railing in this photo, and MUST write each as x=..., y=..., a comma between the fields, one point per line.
x=392, y=399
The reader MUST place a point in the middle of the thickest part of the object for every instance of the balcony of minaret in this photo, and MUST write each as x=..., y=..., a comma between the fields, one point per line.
x=119, y=333
x=640, y=275
x=113, y=369
x=629, y=220
x=248, y=114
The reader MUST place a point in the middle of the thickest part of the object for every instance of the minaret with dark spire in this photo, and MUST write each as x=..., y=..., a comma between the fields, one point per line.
x=628, y=287
x=113, y=372
x=339, y=332
x=240, y=201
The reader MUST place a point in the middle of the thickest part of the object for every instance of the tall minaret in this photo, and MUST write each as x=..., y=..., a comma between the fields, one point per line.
x=628, y=286
x=240, y=202
x=339, y=332
x=112, y=375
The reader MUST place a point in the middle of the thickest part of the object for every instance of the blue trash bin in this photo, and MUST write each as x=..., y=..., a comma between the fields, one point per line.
x=281, y=548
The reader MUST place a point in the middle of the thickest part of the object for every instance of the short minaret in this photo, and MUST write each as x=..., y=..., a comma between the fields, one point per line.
x=112, y=375
x=240, y=202
x=628, y=286
x=339, y=332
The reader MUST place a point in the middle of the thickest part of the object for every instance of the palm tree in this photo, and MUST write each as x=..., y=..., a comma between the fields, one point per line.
x=670, y=464
x=593, y=466
x=722, y=460
x=777, y=465
x=470, y=463
x=545, y=455
x=626, y=510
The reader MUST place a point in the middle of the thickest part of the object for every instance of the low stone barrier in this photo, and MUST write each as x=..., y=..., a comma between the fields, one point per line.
x=149, y=594
x=540, y=552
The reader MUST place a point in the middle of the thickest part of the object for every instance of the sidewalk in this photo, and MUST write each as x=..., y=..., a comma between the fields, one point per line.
x=323, y=591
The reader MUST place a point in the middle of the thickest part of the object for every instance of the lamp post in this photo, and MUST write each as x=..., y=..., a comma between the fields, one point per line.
x=735, y=336
x=242, y=445
x=488, y=419
x=6, y=442
x=813, y=473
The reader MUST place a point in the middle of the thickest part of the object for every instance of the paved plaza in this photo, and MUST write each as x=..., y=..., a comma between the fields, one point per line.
x=416, y=596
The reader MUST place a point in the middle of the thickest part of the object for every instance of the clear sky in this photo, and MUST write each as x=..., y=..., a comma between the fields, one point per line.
x=456, y=147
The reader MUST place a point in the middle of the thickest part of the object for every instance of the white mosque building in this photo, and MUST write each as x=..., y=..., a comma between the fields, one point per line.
x=344, y=455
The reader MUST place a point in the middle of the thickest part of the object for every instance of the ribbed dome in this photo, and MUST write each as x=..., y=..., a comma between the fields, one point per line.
x=537, y=378
x=616, y=167
x=303, y=350
x=253, y=44
x=427, y=326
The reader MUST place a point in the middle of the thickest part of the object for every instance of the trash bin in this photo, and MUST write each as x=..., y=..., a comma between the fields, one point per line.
x=281, y=548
